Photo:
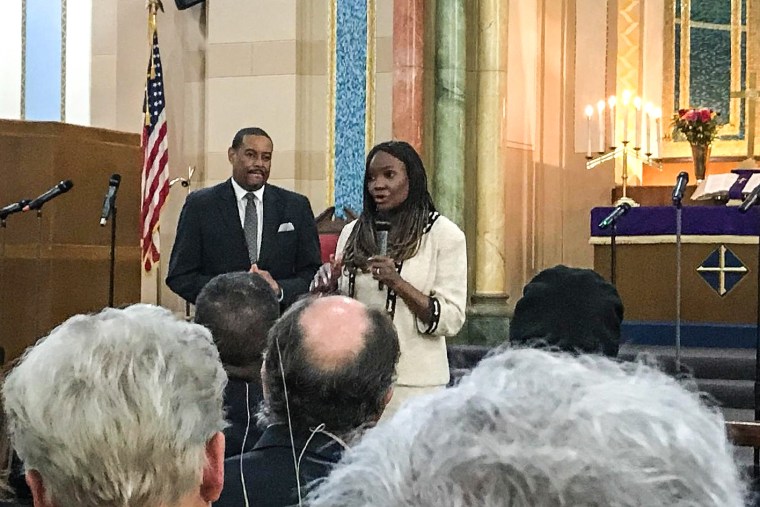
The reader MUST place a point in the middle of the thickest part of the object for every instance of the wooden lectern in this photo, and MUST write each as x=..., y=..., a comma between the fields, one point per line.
x=57, y=265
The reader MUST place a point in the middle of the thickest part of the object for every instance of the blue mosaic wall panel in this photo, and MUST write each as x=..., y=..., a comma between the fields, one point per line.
x=350, y=103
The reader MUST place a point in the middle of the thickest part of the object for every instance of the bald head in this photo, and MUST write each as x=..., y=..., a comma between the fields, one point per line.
x=334, y=331
x=338, y=360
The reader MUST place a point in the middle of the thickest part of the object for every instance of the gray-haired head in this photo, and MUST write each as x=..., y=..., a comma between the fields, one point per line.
x=530, y=427
x=119, y=408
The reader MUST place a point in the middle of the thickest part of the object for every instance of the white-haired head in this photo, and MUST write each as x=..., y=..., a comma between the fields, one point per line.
x=534, y=428
x=120, y=408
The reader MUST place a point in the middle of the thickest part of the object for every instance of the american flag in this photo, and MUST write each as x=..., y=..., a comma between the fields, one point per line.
x=155, y=177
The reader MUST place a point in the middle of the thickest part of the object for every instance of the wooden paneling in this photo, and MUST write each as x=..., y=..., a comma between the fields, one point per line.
x=55, y=265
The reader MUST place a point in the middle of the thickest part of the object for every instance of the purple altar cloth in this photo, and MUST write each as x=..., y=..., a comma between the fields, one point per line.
x=697, y=220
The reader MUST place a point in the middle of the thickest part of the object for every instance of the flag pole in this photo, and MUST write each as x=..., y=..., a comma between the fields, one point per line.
x=152, y=6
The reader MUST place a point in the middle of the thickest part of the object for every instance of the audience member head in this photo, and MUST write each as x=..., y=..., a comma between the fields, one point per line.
x=337, y=358
x=531, y=427
x=238, y=309
x=119, y=408
x=574, y=310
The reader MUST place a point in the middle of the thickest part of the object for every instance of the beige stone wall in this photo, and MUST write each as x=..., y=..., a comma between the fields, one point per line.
x=229, y=64
x=549, y=190
x=119, y=61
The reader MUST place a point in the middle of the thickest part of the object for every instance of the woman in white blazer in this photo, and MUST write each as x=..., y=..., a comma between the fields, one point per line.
x=420, y=278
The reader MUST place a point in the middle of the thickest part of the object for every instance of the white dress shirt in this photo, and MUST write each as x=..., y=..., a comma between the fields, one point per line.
x=240, y=194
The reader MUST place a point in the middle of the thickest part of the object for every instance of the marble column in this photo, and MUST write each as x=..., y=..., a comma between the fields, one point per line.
x=450, y=78
x=408, y=44
x=490, y=280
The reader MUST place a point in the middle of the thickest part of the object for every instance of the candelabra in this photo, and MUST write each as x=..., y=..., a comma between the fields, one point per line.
x=623, y=152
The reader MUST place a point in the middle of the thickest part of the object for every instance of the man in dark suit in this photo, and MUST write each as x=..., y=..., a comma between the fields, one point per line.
x=244, y=224
x=337, y=359
x=239, y=309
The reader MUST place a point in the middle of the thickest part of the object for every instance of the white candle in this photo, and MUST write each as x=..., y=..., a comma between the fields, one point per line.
x=600, y=118
x=626, y=100
x=658, y=131
x=589, y=113
x=611, y=103
x=637, y=134
x=648, y=110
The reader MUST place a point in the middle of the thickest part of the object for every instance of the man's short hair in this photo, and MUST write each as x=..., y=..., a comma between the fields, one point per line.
x=572, y=309
x=238, y=309
x=237, y=141
x=343, y=398
x=116, y=408
x=530, y=427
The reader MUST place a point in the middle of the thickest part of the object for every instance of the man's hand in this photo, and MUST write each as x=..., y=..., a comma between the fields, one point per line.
x=266, y=276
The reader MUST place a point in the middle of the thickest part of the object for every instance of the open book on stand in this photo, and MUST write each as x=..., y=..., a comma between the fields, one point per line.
x=731, y=187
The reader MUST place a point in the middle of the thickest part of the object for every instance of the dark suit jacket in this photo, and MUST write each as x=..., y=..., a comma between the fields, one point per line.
x=210, y=241
x=237, y=410
x=269, y=471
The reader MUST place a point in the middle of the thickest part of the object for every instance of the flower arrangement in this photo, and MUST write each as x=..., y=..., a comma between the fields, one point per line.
x=697, y=125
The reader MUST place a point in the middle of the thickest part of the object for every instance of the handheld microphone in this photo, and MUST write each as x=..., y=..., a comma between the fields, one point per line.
x=751, y=200
x=110, y=199
x=620, y=210
x=381, y=228
x=16, y=207
x=60, y=188
x=678, y=190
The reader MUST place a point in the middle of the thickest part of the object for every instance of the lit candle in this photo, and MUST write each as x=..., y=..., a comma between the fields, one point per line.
x=637, y=134
x=626, y=100
x=611, y=103
x=658, y=130
x=600, y=117
x=589, y=114
x=648, y=110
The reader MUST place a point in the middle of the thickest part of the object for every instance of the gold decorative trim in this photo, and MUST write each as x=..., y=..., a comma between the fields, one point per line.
x=734, y=105
x=332, y=16
x=685, y=71
x=668, y=65
x=22, y=111
x=667, y=239
x=369, y=114
x=64, y=9
x=629, y=75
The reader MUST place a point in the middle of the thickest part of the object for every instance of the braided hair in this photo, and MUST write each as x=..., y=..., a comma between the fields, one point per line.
x=408, y=220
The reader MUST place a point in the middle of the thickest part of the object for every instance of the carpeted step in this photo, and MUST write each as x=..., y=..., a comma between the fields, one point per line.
x=702, y=363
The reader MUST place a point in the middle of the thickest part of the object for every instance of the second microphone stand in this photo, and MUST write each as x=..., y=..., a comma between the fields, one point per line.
x=748, y=204
x=679, y=223
x=112, y=260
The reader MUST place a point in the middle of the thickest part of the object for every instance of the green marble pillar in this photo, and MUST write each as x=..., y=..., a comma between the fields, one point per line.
x=450, y=75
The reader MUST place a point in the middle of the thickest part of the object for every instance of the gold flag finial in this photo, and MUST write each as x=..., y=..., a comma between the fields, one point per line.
x=152, y=6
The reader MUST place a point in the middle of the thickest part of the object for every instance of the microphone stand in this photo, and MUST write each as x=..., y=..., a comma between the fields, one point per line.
x=3, y=227
x=679, y=223
x=756, y=451
x=613, y=252
x=38, y=281
x=112, y=260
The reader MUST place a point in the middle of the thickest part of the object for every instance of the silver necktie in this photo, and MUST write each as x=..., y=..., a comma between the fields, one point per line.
x=251, y=227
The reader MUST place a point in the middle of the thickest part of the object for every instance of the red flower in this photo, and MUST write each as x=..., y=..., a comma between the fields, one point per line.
x=705, y=115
